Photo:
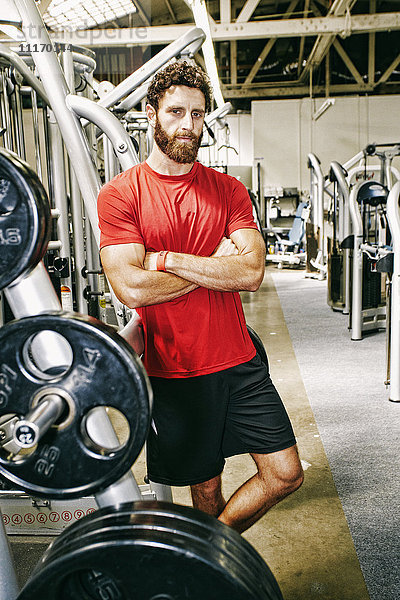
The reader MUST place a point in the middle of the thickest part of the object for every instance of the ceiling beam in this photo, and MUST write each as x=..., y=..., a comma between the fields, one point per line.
x=171, y=11
x=43, y=6
x=267, y=49
x=247, y=11
x=259, y=61
x=389, y=70
x=302, y=40
x=233, y=61
x=142, y=13
x=371, y=47
x=347, y=61
x=278, y=90
x=225, y=11
x=142, y=36
x=323, y=43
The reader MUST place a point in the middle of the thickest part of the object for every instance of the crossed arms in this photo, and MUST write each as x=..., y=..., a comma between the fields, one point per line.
x=237, y=264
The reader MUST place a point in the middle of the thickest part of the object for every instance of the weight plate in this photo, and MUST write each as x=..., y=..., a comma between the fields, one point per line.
x=259, y=346
x=159, y=551
x=250, y=574
x=137, y=513
x=102, y=370
x=197, y=529
x=25, y=219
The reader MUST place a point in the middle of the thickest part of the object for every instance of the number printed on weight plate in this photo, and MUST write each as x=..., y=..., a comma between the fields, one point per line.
x=46, y=464
x=7, y=375
x=10, y=236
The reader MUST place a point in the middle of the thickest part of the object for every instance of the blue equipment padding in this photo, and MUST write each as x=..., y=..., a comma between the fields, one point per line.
x=288, y=250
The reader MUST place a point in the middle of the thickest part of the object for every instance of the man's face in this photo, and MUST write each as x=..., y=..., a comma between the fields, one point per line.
x=179, y=123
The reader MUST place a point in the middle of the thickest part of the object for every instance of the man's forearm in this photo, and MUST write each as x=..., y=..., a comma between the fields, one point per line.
x=222, y=273
x=151, y=287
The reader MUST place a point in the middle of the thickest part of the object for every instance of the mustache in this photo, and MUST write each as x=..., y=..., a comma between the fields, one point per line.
x=187, y=134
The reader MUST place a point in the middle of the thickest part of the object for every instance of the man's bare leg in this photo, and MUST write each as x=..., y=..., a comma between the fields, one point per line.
x=279, y=474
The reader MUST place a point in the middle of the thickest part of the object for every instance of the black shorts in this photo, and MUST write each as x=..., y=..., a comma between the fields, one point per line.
x=200, y=421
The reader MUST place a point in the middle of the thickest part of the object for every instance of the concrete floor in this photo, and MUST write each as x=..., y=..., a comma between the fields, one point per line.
x=305, y=539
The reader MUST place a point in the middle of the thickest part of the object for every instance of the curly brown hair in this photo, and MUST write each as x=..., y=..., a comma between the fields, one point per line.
x=179, y=73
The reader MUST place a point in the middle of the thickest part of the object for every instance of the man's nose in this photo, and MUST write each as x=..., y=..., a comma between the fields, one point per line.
x=187, y=122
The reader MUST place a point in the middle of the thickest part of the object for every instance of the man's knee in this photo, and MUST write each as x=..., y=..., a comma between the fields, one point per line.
x=207, y=496
x=294, y=479
x=283, y=471
x=208, y=488
x=286, y=481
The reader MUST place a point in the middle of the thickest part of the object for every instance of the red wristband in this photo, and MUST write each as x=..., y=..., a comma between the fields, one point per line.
x=160, y=263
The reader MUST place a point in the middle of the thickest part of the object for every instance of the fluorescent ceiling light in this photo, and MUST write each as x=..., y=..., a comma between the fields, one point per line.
x=323, y=108
x=80, y=14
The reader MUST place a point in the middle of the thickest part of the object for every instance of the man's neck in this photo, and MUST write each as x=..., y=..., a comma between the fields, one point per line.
x=162, y=164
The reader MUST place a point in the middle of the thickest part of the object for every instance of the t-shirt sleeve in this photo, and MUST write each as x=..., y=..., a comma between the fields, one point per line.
x=117, y=220
x=241, y=210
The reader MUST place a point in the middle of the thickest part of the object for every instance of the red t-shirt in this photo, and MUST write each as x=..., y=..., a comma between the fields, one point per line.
x=203, y=331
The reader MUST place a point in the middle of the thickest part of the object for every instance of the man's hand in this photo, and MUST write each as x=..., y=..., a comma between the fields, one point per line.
x=225, y=248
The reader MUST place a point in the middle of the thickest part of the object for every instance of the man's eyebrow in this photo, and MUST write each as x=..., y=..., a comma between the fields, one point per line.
x=200, y=110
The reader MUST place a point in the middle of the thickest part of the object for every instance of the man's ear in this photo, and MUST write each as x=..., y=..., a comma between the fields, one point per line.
x=151, y=114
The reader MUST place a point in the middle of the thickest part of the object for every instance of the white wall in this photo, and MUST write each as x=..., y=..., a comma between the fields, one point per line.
x=284, y=133
x=239, y=137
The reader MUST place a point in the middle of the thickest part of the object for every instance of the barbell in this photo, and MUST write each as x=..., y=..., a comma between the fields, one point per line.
x=55, y=370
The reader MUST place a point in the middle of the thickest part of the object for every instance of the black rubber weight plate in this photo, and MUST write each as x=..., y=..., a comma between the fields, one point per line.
x=151, y=551
x=105, y=371
x=24, y=219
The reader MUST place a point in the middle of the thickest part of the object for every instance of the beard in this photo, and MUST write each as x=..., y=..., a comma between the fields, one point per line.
x=180, y=152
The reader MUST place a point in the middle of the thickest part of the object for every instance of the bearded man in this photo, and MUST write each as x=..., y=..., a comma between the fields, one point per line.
x=178, y=243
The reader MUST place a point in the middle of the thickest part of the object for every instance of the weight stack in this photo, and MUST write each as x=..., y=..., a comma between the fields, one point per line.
x=372, y=295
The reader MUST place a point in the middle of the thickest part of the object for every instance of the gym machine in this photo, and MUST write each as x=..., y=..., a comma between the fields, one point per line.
x=316, y=228
x=360, y=237
x=63, y=126
x=393, y=330
x=367, y=204
x=339, y=267
x=58, y=373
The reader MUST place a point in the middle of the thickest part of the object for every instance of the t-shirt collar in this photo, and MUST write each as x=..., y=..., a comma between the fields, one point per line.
x=172, y=178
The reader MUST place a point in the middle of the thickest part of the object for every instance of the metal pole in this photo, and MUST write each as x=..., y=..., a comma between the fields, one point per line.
x=318, y=201
x=8, y=579
x=195, y=36
x=29, y=77
x=110, y=165
x=109, y=124
x=18, y=121
x=5, y=110
x=356, y=295
x=344, y=191
x=393, y=216
x=59, y=195
x=36, y=137
x=353, y=161
x=79, y=244
x=55, y=85
x=76, y=206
